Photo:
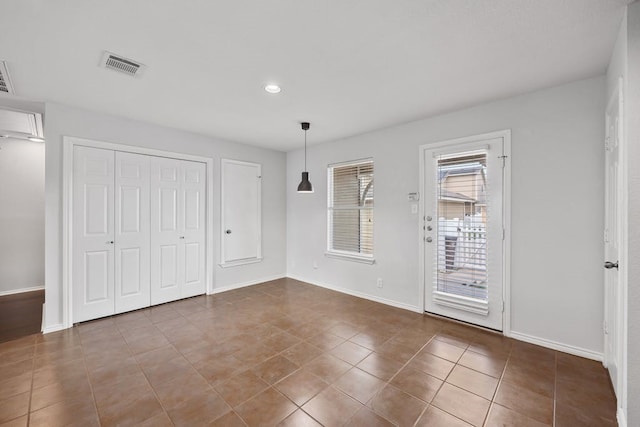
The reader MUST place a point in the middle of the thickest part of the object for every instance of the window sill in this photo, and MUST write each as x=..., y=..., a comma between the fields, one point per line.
x=240, y=262
x=351, y=257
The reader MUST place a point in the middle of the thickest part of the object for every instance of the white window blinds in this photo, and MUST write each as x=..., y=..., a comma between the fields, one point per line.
x=350, y=208
x=462, y=224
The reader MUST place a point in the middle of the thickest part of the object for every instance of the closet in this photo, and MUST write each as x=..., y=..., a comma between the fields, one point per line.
x=138, y=227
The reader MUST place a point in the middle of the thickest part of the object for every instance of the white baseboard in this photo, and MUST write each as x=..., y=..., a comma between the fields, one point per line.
x=565, y=348
x=245, y=284
x=622, y=418
x=374, y=298
x=19, y=291
x=53, y=328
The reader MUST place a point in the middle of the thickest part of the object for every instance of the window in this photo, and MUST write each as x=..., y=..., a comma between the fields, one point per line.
x=350, y=210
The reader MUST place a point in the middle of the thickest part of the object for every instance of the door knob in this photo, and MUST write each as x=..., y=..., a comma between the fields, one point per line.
x=610, y=264
x=228, y=231
x=110, y=242
x=182, y=237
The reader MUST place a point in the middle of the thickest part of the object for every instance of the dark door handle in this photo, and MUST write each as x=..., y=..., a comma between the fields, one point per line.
x=228, y=231
x=610, y=264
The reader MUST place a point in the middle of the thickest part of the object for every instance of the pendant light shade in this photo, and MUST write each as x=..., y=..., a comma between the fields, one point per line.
x=305, y=185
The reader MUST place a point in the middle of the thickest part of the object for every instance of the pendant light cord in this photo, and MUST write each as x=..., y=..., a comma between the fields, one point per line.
x=305, y=150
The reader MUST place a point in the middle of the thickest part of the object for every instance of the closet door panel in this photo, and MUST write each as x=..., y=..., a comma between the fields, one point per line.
x=132, y=242
x=168, y=267
x=93, y=233
x=167, y=250
x=193, y=228
x=97, y=278
x=130, y=278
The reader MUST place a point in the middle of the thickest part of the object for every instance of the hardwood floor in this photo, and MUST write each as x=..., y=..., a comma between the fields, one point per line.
x=20, y=315
x=286, y=353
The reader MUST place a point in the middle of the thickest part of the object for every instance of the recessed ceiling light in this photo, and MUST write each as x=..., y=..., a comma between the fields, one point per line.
x=35, y=139
x=272, y=88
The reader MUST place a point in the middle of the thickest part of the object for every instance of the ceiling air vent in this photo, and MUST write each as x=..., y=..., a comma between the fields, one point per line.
x=121, y=64
x=5, y=80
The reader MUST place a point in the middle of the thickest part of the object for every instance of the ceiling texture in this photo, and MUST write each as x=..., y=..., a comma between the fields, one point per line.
x=347, y=66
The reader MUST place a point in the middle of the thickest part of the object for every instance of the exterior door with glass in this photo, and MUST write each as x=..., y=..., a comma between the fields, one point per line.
x=463, y=229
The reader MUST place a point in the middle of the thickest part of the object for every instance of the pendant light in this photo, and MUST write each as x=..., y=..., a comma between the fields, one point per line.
x=305, y=186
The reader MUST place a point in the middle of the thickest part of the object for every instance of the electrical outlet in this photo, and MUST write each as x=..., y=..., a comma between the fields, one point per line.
x=379, y=282
x=315, y=265
x=414, y=208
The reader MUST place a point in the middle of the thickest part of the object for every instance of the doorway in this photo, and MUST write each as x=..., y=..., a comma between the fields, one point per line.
x=22, y=217
x=464, y=228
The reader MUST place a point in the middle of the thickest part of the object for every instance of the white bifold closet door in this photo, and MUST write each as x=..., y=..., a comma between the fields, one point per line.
x=177, y=229
x=132, y=238
x=138, y=227
x=111, y=232
x=93, y=233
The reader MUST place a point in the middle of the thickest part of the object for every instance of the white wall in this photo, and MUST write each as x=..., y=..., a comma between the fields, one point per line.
x=66, y=121
x=557, y=160
x=21, y=215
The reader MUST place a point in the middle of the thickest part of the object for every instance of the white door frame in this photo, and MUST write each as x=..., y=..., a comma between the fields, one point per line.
x=69, y=143
x=622, y=211
x=506, y=188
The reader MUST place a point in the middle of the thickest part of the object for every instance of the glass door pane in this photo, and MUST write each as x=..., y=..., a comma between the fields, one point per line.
x=462, y=224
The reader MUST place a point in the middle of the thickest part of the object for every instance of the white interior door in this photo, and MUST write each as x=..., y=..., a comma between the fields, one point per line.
x=132, y=237
x=192, y=224
x=241, y=211
x=612, y=240
x=93, y=233
x=167, y=208
x=463, y=230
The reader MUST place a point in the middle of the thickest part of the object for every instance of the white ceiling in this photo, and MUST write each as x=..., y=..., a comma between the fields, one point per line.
x=347, y=66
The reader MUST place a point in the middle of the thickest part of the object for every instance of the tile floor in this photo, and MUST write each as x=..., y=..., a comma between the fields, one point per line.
x=291, y=354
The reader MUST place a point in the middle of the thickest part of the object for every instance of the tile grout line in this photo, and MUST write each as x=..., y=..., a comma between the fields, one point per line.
x=495, y=392
x=183, y=356
x=33, y=365
x=388, y=382
x=153, y=390
x=444, y=381
x=209, y=383
x=86, y=371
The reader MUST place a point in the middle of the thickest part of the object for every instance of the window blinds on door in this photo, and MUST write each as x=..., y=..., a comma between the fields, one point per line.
x=462, y=224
